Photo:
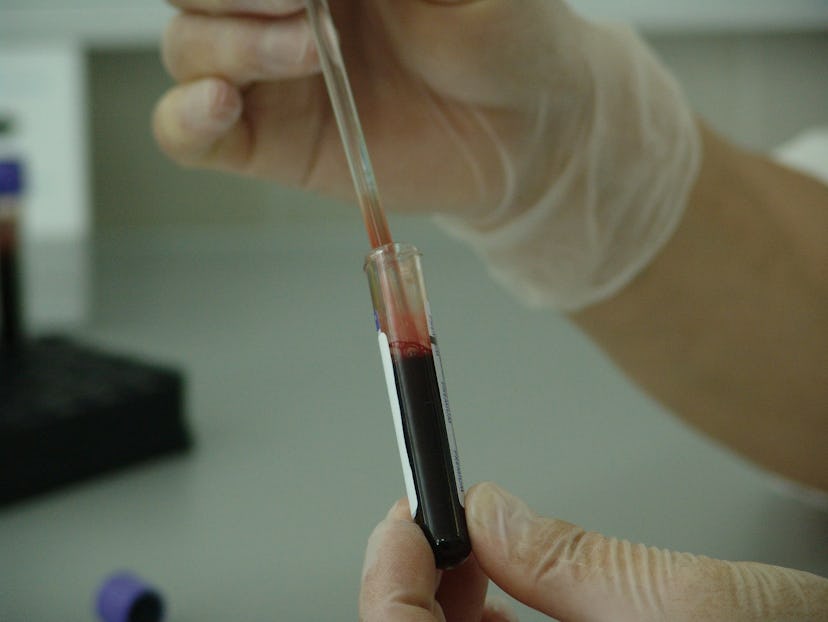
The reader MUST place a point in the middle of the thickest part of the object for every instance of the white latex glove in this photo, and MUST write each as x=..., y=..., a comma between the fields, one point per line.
x=560, y=149
x=569, y=574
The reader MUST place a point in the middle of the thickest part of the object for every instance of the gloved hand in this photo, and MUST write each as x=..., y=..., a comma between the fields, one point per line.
x=559, y=148
x=569, y=574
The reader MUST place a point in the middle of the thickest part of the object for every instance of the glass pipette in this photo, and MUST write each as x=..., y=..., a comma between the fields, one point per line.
x=344, y=108
x=408, y=346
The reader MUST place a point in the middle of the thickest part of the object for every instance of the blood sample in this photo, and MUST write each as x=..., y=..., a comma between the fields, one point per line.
x=417, y=393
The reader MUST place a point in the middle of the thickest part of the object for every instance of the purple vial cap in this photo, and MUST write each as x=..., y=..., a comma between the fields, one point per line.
x=123, y=597
x=11, y=177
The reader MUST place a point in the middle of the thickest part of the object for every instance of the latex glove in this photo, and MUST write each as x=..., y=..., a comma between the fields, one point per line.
x=560, y=149
x=569, y=574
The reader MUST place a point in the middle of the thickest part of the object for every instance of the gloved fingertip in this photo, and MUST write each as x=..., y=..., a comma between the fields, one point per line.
x=499, y=523
x=400, y=510
x=490, y=506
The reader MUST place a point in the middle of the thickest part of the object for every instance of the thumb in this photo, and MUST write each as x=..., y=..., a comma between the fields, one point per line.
x=575, y=575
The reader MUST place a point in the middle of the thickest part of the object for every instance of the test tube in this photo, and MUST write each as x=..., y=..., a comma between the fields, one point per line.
x=11, y=184
x=417, y=393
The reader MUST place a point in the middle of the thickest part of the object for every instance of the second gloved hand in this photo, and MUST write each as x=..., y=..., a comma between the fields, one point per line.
x=569, y=574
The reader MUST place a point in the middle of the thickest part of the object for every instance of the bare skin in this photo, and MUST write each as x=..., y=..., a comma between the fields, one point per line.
x=728, y=326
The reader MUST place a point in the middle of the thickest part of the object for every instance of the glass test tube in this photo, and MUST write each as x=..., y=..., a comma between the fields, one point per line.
x=11, y=328
x=417, y=392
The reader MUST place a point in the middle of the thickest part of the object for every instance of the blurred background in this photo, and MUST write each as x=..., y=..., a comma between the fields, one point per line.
x=256, y=293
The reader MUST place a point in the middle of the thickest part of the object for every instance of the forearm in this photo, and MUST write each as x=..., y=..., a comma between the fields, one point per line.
x=728, y=326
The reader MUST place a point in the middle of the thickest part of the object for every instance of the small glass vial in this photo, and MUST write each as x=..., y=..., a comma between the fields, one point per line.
x=417, y=393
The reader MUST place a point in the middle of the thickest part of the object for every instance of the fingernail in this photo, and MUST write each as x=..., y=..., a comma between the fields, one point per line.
x=497, y=512
x=399, y=510
x=211, y=105
x=287, y=47
x=306, y=52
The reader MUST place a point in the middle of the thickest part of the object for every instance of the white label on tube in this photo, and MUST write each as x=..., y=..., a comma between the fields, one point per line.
x=393, y=398
x=441, y=381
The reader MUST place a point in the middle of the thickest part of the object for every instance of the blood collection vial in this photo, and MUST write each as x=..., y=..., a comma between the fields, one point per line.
x=417, y=393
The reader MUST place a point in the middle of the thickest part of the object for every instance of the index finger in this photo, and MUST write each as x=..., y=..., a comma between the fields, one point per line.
x=399, y=578
x=271, y=8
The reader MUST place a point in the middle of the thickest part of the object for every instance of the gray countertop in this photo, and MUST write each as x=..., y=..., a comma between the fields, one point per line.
x=296, y=460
